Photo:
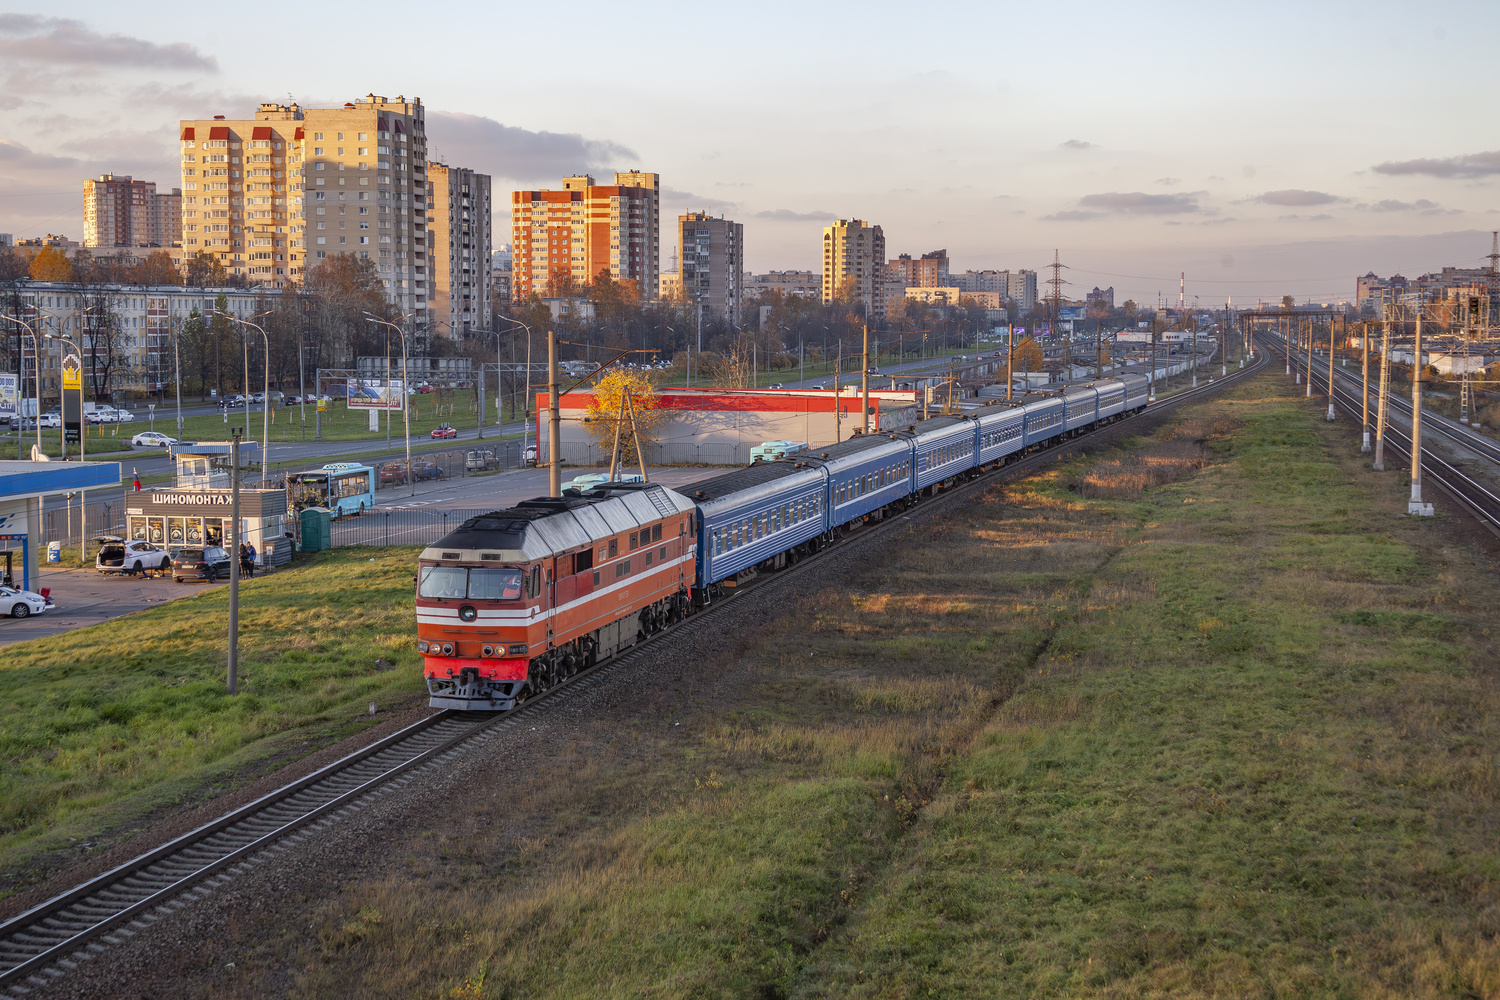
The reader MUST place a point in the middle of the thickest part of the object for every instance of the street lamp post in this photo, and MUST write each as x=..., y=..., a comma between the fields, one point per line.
x=405, y=396
x=526, y=402
x=82, y=443
x=36, y=347
x=265, y=395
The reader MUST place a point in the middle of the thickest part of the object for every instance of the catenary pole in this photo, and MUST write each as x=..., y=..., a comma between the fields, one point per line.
x=554, y=423
x=234, y=563
x=1364, y=444
x=1383, y=395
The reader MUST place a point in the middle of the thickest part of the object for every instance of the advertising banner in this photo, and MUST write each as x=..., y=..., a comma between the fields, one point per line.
x=72, y=397
x=374, y=394
x=8, y=396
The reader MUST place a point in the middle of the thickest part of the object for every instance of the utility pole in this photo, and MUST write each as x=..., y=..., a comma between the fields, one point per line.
x=1010, y=363
x=554, y=422
x=1415, y=504
x=838, y=406
x=1331, y=349
x=1364, y=444
x=865, y=385
x=1309, y=357
x=234, y=563
x=1057, y=282
x=1381, y=398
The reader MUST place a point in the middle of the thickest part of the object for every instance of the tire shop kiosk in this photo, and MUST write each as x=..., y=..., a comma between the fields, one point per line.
x=177, y=517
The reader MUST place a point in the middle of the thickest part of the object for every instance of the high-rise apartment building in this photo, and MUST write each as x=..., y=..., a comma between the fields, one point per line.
x=928, y=271
x=119, y=211
x=460, y=241
x=854, y=264
x=274, y=195
x=1021, y=287
x=562, y=240
x=1017, y=285
x=713, y=253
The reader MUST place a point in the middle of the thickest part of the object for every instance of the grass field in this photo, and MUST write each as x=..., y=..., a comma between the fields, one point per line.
x=1230, y=735
x=101, y=725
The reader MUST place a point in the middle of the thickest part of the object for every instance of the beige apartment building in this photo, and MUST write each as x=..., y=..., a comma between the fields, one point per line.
x=854, y=260
x=273, y=195
x=927, y=271
x=119, y=211
x=460, y=245
x=713, y=253
x=562, y=240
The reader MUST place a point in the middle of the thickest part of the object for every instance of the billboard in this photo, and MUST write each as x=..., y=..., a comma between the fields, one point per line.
x=8, y=385
x=375, y=394
x=72, y=397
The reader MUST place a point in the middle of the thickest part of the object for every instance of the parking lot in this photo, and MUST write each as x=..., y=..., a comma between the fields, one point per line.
x=88, y=597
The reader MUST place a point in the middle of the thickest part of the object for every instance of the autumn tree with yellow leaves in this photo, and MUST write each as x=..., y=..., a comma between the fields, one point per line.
x=608, y=410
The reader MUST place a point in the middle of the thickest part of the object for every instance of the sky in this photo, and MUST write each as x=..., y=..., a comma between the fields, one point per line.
x=1264, y=149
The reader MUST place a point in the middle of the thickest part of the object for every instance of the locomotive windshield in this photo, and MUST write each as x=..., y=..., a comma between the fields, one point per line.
x=457, y=582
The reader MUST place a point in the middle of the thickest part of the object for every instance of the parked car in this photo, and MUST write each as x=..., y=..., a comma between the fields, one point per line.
x=201, y=563
x=423, y=471
x=444, y=431
x=152, y=439
x=393, y=473
x=51, y=421
x=116, y=555
x=479, y=461
x=21, y=603
x=123, y=416
x=425, y=389
x=103, y=415
x=530, y=456
x=775, y=385
x=291, y=400
x=258, y=397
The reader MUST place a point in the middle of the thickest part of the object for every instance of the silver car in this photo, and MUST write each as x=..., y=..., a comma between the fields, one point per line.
x=116, y=555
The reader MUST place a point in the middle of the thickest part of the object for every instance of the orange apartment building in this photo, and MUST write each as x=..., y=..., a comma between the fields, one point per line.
x=562, y=240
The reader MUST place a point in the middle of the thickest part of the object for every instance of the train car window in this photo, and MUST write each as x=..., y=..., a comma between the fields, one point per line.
x=549, y=578
x=534, y=585
x=621, y=568
x=614, y=547
x=495, y=584
x=596, y=578
x=633, y=541
x=656, y=532
x=662, y=552
x=443, y=582
x=648, y=557
x=583, y=560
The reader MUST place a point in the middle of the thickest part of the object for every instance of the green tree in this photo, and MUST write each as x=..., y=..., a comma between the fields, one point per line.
x=203, y=270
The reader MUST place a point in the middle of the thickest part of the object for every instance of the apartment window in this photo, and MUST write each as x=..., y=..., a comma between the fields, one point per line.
x=363, y=136
x=341, y=137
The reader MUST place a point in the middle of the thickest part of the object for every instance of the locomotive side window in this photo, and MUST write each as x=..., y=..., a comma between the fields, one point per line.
x=634, y=541
x=534, y=584
x=443, y=582
x=656, y=532
x=583, y=560
x=614, y=547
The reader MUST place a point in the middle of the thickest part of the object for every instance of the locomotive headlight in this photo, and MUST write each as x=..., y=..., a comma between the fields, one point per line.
x=519, y=649
x=467, y=613
x=489, y=651
x=447, y=649
x=421, y=645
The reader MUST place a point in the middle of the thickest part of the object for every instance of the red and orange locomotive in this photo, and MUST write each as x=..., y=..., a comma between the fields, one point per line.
x=512, y=602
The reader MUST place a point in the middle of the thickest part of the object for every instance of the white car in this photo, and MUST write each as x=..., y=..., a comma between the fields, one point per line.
x=51, y=421
x=21, y=603
x=116, y=555
x=103, y=415
x=124, y=416
x=152, y=439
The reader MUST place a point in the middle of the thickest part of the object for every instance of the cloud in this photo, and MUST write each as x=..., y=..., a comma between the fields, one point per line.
x=16, y=159
x=1140, y=203
x=1296, y=198
x=1323, y=217
x=672, y=196
x=61, y=41
x=1169, y=181
x=1392, y=205
x=787, y=215
x=1466, y=166
x=1073, y=216
x=1077, y=144
x=515, y=153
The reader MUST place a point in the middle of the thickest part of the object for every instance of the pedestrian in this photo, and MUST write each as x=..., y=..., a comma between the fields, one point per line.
x=137, y=476
x=244, y=560
x=250, y=559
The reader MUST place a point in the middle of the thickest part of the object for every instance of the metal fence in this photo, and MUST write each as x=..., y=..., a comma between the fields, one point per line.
x=399, y=527
x=665, y=453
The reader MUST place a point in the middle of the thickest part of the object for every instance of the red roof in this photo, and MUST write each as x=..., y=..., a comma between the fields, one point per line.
x=261, y=132
x=400, y=127
x=218, y=132
x=380, y=123
x=298, y=133
x=187, y=133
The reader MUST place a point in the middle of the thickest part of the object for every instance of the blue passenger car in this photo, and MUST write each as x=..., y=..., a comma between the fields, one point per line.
x=943, y=447
x=750, y=515
x=1111, y=398
x=1044, y=419
x=1000, y=432
x=864, y=474
x=1081, y=405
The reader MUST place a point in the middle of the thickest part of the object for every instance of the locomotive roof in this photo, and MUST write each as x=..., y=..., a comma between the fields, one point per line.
x=547, y=526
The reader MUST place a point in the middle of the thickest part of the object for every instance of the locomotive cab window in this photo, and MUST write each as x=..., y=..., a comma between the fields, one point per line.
x=614, y=547
x=583, y=560
x=656, y=532
x=634, y=543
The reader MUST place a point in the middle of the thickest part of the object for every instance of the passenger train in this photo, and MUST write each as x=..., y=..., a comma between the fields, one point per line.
x=513, y=602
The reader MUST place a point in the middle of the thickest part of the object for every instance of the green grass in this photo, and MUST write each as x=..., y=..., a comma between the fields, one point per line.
x=339, y=422
x=1225, y=737
x=100, y=725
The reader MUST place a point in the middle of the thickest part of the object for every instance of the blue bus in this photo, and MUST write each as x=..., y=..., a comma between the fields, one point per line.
x=342, y=487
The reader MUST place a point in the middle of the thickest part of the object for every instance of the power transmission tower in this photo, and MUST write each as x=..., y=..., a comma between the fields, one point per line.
x=1056, y=281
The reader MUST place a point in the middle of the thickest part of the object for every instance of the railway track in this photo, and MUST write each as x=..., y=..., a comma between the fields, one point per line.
x=41, y=945
x=1480, y=501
